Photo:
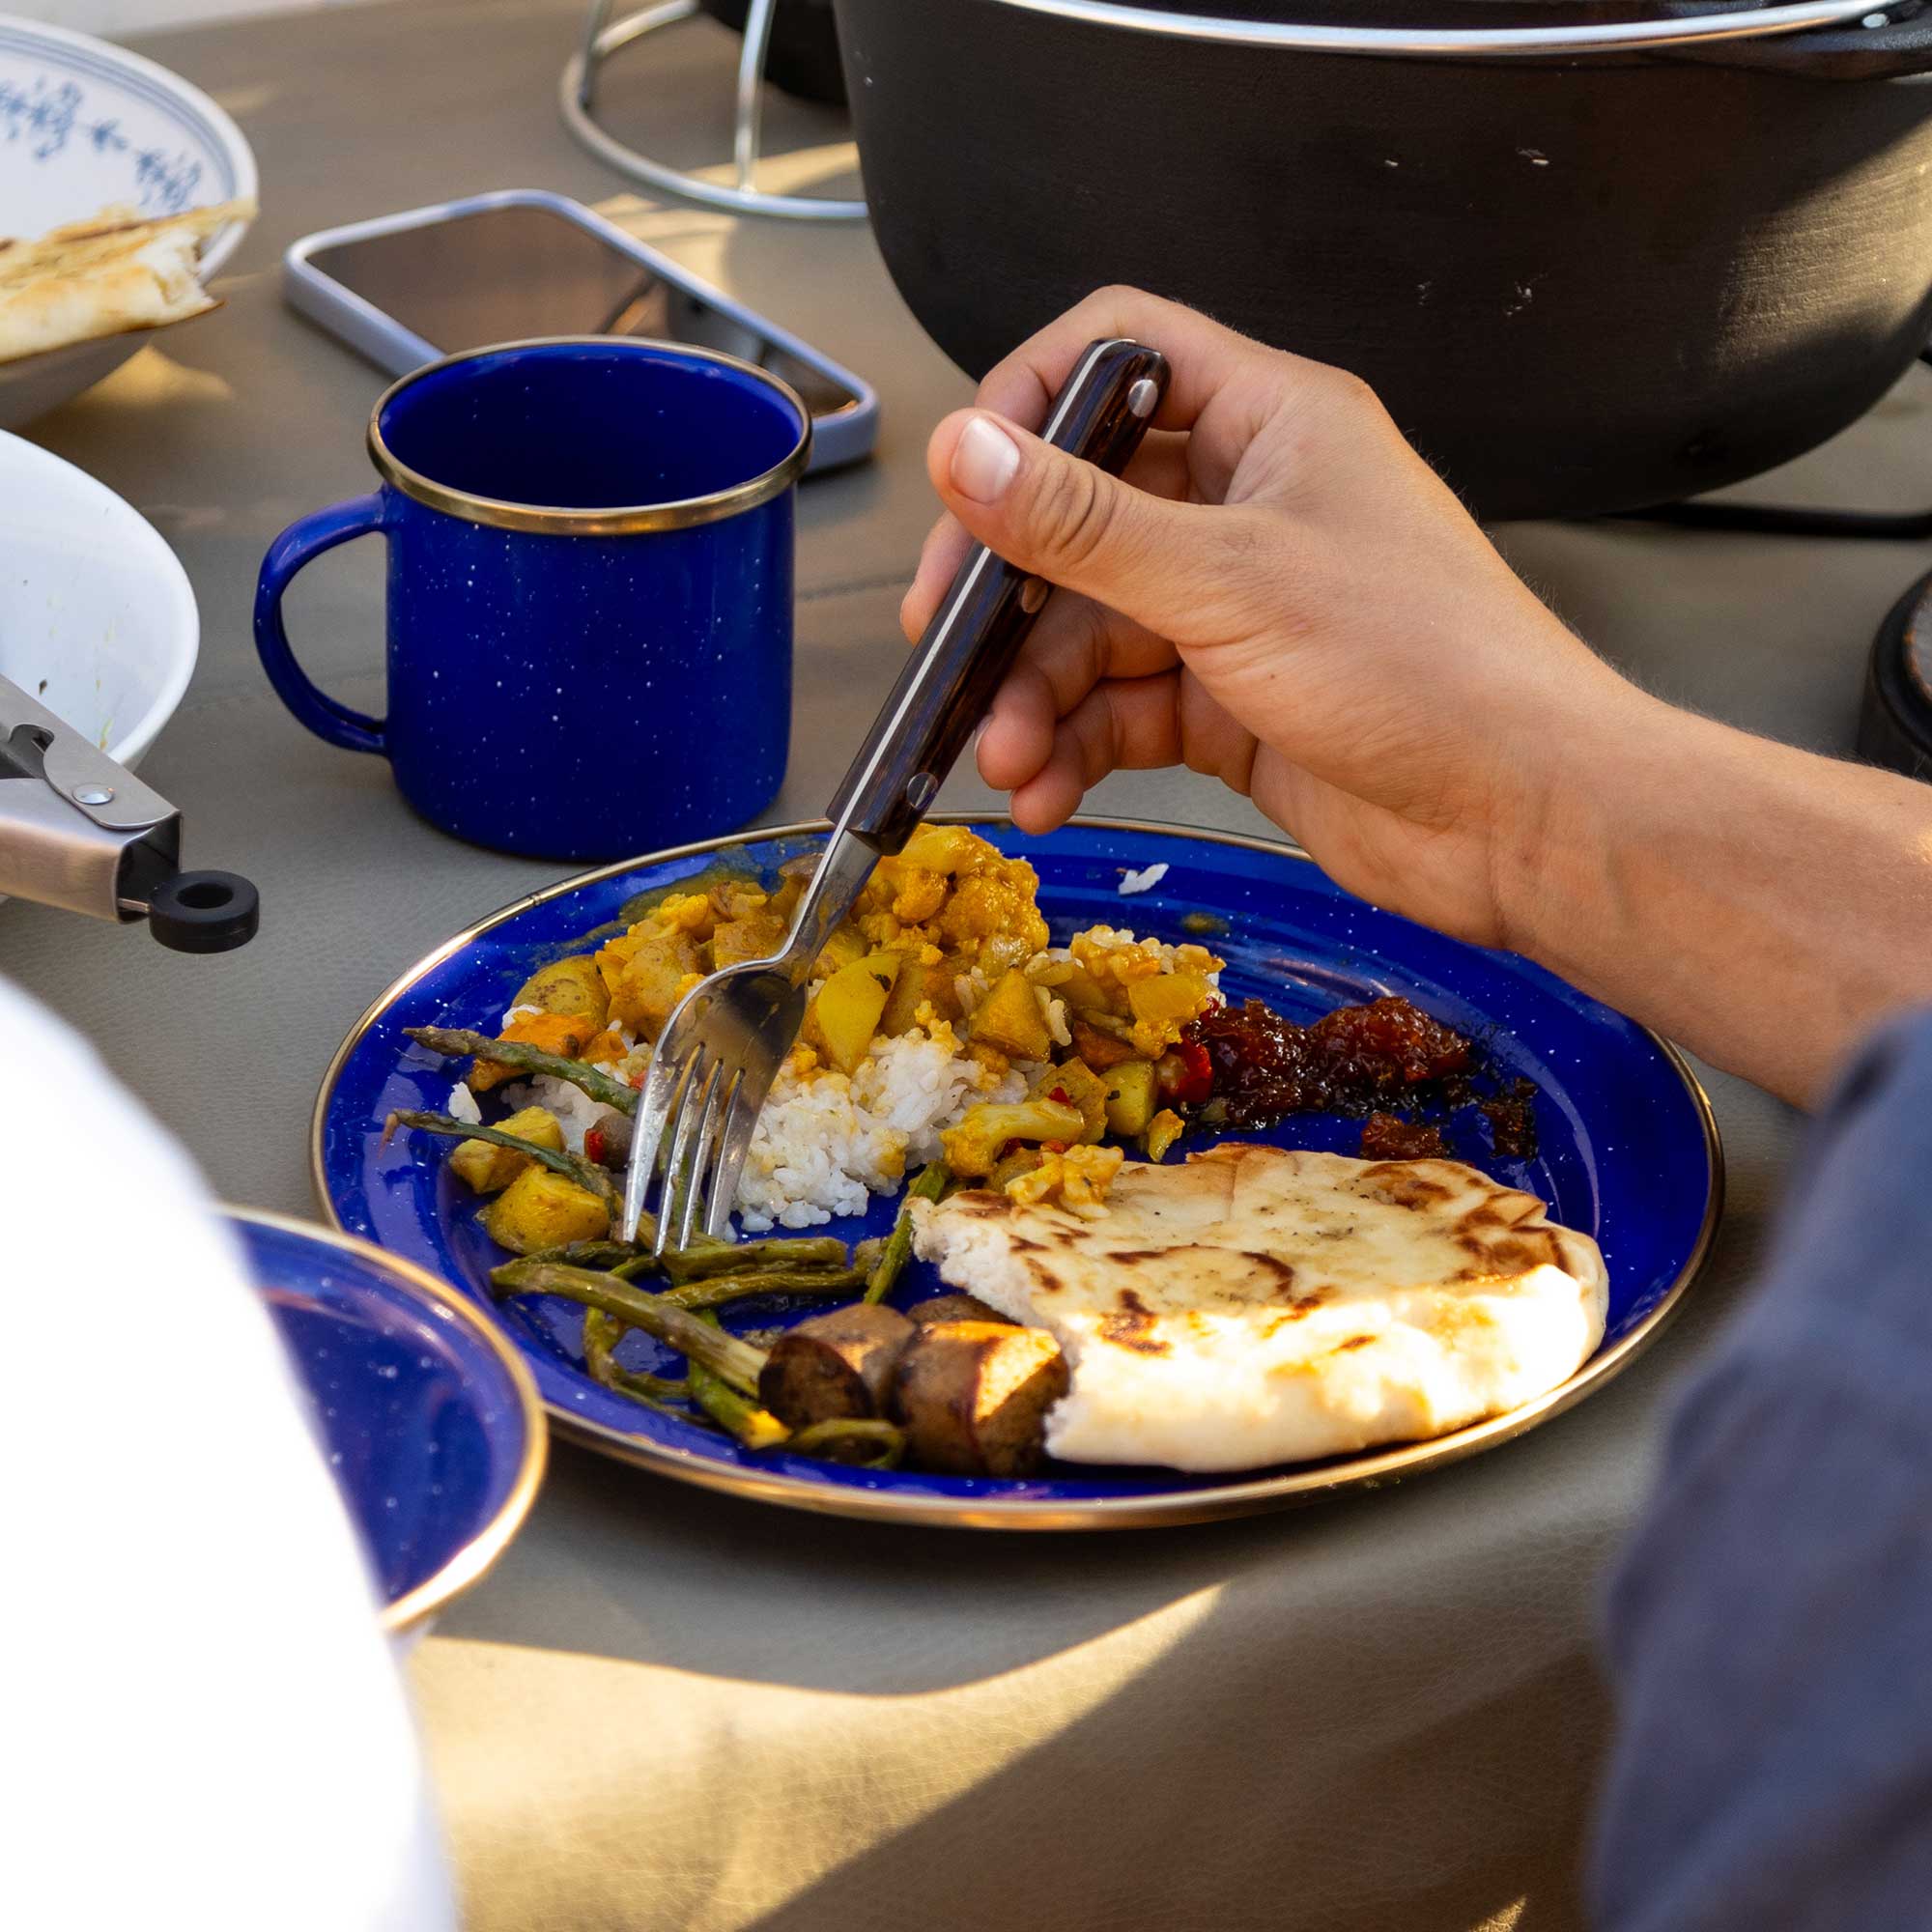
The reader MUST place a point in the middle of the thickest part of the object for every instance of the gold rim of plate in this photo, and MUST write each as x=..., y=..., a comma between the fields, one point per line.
x=1277, y=1490
x=469, y=1564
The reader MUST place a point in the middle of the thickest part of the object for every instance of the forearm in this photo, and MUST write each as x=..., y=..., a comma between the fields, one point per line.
x=1763, y=906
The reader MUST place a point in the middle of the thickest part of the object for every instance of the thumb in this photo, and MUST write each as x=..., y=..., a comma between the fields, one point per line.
x=1163, y=564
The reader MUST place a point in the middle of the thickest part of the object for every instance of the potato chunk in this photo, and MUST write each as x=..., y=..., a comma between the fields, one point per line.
x=1101, y=1050
x=1009, y=1019
x=1079, y=1086
x=571, y=986
x=918, y=985
x=489, y=1169
x=1163, y=1004
x=1133, y=1095
x=542, y=1209
x=846, y=1010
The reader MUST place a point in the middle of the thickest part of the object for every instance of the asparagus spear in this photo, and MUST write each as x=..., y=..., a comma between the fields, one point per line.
x=573, y=1167
x=929, y=1186
x=455, y=1042
x=703, y=1343
x=602, y=1333
x=714, y=1289
x=809, y=1267
x=737, y=1414
x=707, y=1256
x=852, y=1439
x=603, y=1257
x=722, y=1377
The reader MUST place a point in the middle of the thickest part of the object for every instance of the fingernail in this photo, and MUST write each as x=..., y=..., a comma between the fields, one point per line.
x=984, y=461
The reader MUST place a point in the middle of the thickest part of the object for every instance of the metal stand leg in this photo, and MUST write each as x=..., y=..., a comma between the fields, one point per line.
x=577, y=95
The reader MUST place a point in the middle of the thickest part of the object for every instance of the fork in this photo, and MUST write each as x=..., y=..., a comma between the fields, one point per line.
x=723, y=1045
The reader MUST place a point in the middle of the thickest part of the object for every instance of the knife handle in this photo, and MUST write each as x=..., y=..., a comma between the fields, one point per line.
x=950, y=680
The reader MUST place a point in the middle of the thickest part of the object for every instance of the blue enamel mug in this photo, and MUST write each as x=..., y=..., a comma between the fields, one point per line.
x=589, y=593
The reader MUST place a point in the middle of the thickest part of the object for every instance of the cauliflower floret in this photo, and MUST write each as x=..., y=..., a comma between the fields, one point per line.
x=1078, y=1178
x=972, y=1147
x=685, y=912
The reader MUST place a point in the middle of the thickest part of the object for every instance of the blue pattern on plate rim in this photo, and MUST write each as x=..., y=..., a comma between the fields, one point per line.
x=1627, y=1152
x=42, y=112
x=425, y=1423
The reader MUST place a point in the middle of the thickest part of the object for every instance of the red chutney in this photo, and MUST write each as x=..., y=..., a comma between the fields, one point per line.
x=1356, y=1060
x=1384, y=1137
x=1511, y=1118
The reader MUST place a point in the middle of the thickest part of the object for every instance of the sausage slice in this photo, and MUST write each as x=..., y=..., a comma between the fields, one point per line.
x=835, y=1366
x=973, y=1396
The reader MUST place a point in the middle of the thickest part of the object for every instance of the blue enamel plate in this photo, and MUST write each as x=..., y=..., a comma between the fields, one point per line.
x=430, y=1420
x=1629, y=1152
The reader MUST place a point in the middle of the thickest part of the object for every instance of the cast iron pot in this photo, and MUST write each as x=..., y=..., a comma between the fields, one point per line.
x=1584, y=277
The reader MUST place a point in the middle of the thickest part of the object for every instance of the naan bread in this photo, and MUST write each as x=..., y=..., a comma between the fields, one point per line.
x=100, y=277
x=1255, y=1306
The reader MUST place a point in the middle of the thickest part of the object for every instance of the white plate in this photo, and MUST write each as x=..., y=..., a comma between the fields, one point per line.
x=96, y=618
x=84, y=124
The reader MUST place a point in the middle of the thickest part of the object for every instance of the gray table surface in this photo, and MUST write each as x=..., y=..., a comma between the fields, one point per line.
x=663, y=1710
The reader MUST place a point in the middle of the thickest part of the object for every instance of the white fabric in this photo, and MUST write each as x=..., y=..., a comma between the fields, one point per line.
x=203, y=1723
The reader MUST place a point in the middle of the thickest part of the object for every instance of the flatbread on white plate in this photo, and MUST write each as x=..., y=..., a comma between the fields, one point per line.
x=1254, y=1306
x=112, y=272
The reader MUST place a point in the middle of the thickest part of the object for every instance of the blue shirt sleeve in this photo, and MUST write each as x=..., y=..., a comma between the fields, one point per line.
x=1771, y=1625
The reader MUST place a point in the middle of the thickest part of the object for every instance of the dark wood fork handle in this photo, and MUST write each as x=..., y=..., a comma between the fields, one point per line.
x=950, y=680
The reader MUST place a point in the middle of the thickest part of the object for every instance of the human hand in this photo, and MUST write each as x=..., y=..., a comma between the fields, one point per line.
x=1280, y=593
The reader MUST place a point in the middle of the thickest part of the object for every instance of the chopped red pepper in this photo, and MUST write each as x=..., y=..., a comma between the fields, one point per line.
x=1186, y=1075
x=593, y=1145
x=1060, y=1094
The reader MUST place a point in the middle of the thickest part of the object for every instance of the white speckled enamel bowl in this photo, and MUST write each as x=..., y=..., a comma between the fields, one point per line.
x=83, y=126
x=96, y=618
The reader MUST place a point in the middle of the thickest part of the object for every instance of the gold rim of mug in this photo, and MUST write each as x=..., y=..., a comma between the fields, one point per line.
x=545, y=520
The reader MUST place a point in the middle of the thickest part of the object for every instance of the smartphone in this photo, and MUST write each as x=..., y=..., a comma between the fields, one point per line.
x=407, y=289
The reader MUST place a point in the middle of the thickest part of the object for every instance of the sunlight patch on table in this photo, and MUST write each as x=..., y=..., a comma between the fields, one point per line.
x=676, y=1799
x=153, y=379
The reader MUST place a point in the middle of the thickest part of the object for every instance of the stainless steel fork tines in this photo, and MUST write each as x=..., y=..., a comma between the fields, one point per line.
x=715, y=1063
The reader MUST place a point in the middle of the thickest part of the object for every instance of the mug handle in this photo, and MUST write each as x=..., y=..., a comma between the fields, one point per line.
x=303, y=541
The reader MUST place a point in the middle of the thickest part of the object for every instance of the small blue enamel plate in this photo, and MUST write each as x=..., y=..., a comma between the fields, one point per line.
x=1629, y=1152
x=430, y=1422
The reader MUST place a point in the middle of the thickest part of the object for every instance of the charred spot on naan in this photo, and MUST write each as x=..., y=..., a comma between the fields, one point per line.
x=1041, y=1275
x=1298, y=1308
x=1511, y=1253
x=1401, y=1183
x=1132, y=1326
x=1502, y=1210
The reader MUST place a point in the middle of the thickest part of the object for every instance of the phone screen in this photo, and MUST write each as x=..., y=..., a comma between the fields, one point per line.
x=504, y=273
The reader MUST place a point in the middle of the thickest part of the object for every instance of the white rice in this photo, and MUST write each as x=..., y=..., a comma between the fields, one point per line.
x=825, y=1141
